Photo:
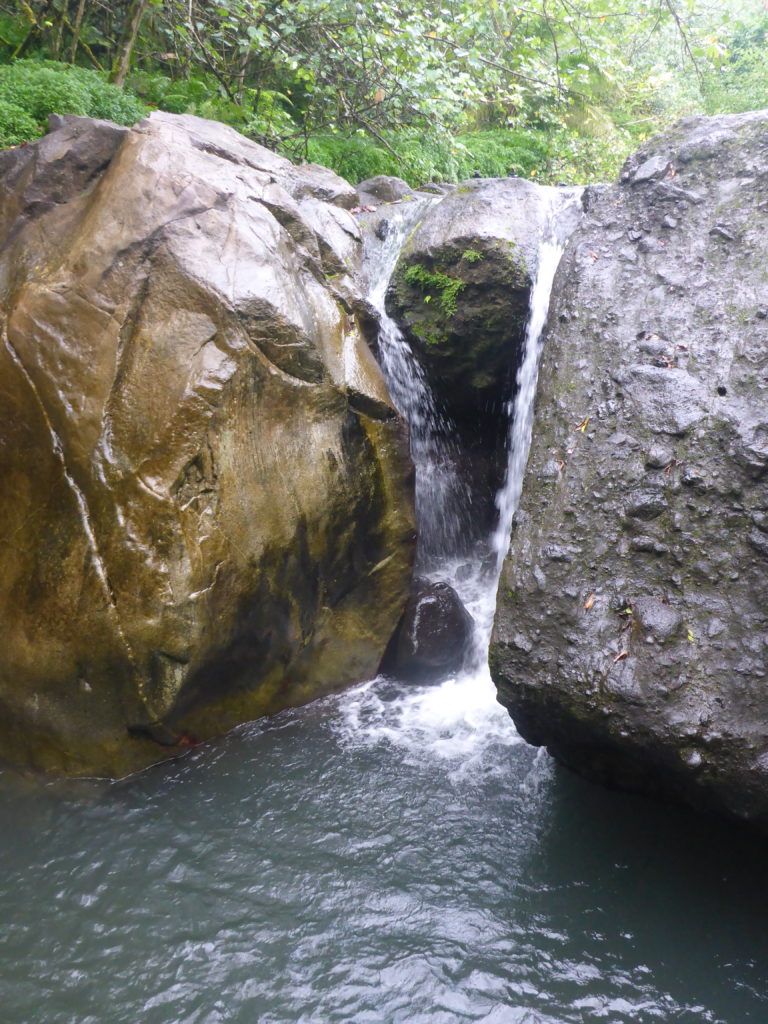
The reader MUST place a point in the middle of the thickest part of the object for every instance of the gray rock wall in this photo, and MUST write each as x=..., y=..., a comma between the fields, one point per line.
x=631, y=635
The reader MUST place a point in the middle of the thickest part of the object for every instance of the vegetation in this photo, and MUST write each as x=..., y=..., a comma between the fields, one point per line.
x=433, y=89
x=30, y=90
x=448, y=288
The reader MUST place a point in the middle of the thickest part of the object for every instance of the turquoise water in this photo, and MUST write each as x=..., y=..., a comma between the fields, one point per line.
x=388, y=855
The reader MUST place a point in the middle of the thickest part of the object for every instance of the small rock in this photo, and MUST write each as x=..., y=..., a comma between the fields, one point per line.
x=434, y=635
x=655, y=618
x=648, y=545
x=656, y=167
x=722, y=231
x=759, y=542
x=658, y=457
x=384, y=189
x=646, y=505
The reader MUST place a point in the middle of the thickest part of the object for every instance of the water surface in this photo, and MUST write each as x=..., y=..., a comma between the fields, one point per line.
x=382, y=856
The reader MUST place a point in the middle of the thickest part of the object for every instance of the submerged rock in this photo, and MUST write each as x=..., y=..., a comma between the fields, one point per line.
x=434, y=636
x=205, y=491
x=631, y=635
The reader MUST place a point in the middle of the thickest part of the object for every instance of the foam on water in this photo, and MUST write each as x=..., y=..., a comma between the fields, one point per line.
x=458, y=719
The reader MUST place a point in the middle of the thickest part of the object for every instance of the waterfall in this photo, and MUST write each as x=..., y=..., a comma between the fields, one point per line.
x=521, y=421
x=458, y=720
x=443, y=500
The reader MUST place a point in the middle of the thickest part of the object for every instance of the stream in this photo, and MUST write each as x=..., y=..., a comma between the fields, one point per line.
x=391, y=854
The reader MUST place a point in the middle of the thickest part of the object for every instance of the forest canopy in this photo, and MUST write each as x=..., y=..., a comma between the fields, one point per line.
x=560, y=90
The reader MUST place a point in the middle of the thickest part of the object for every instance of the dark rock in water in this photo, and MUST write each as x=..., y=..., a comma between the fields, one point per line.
x=205, y=493
x=434, y=635
x=383, y=189
x=642, y=660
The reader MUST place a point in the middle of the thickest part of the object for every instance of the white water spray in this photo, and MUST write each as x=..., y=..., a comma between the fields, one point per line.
x=443, y=500
x=458, y=719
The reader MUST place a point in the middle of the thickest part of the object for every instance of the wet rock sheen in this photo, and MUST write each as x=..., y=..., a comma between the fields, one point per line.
x=434, y=636
x=205, y=491
x=641, y=658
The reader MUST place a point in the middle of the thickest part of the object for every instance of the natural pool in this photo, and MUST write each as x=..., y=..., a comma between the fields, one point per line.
x=387, y=855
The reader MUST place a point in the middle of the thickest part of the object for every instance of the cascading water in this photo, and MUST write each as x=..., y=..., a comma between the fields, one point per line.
x=443, y=500
x=564, y=215
x=461, y=714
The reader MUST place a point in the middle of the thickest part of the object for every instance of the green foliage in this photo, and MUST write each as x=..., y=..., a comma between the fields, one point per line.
x=416, y=156
x=740, y=81
x=176, y=95
x=354, y=157
x=16, y=125
x=495, y=153
x=31, y=90
x=41, y=90
x=447, y=287
x=471, y=255
x=553, y=89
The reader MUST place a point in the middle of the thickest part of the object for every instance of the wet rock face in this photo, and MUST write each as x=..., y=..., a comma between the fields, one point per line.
x=461, y=288
x=383, y=188
x=205, y=491
x=460, y=293
x=434, y=636
x=631, y=635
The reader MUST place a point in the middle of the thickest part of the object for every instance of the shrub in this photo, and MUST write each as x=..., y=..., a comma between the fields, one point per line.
x=41, y=90
x=15, y=125
x=36, y=89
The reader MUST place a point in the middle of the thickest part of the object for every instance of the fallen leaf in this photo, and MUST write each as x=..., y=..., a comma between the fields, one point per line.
x=589, y=602
x=620, y=656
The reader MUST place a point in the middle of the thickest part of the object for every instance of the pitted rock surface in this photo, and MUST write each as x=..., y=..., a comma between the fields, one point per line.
x=641, y=658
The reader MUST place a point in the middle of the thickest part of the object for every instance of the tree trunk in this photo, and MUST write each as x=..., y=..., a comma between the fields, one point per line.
x=76, y=29
x=128, y=41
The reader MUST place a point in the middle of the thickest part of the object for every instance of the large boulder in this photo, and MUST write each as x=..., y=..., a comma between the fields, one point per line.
x=461, y=287
x=205, y=491
x=460, y=293
x=631, y=635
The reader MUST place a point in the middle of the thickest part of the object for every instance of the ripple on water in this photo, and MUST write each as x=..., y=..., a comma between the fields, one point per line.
x=384, y=855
